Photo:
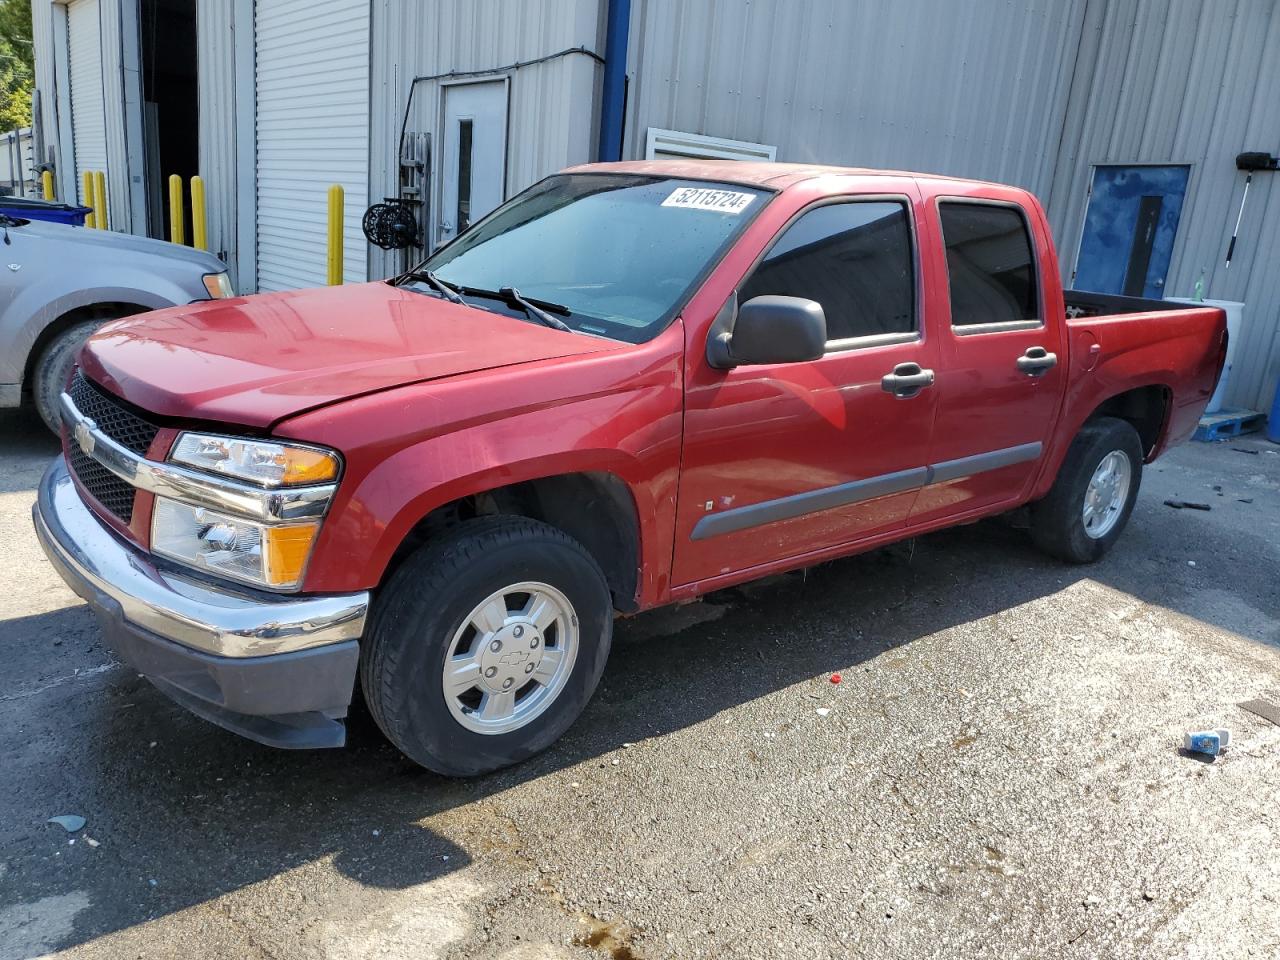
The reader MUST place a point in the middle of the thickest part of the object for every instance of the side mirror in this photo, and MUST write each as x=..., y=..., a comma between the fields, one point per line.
x=767, y=330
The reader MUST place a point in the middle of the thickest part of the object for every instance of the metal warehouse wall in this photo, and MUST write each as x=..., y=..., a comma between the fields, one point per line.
x=1184, y=81
x=552, y=108
x=971, y=89
x=119, y=212
x=46, y=116
x=216, y=69
x=1030, y=93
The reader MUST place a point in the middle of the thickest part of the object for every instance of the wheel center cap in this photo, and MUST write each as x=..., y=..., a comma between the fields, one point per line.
x=509, y=657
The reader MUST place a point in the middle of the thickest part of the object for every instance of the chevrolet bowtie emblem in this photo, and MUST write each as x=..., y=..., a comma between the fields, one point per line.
x=84, y=436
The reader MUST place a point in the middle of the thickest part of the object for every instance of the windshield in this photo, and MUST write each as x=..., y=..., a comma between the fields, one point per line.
x=620, y=253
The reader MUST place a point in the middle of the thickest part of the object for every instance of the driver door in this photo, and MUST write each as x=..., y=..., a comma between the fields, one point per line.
x=787, y=460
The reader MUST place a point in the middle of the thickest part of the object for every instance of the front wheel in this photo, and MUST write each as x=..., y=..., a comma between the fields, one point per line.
x=53, y=367
x=486, y=645
x=1089, y=504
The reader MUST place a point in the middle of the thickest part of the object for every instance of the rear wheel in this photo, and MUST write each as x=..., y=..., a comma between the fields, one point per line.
x=1087, y=509
x=53, y=367
x=486, y=645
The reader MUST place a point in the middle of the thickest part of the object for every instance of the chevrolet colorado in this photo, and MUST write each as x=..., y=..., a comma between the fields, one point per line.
x=629, y=385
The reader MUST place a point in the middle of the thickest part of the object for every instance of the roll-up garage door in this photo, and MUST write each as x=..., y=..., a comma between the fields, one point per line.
x=88, y=114
x=312, y=131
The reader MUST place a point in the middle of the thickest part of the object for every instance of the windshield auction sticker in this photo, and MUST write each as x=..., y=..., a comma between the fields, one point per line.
x=702, y=198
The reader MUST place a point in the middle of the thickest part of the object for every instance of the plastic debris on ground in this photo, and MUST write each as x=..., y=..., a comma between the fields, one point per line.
x=70, y=822
x=823, y=711
x=1209, y=742
x=835, y=678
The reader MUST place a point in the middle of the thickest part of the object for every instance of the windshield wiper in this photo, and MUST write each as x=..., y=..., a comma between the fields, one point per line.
x=546, y=319
x=446, y=289
x=532, y=306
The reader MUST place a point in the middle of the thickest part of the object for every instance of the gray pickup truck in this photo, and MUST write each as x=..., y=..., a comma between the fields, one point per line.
x=60, y=283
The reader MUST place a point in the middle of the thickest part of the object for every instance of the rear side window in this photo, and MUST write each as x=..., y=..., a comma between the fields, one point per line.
x=989, y=260
x=853, y=258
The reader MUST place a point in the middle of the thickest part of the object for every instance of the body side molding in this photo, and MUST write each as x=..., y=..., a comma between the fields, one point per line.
x=857, y=491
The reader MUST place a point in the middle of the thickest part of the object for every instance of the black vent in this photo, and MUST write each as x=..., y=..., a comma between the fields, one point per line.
x=103, y=485
x=120, y=424
x=111, y=415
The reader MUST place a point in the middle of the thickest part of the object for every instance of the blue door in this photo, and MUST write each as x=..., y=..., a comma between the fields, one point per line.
x=1129, y=229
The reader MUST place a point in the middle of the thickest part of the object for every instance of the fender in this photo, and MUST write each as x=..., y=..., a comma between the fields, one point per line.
x=623, y=417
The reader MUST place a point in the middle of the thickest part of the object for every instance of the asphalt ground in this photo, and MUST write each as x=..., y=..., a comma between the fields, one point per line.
x=997, y=775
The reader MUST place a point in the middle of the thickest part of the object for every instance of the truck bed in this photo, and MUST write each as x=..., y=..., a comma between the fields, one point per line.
x=1085, y=303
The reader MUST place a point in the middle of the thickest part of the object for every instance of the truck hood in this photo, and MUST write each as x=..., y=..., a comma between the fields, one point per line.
x=257, y=360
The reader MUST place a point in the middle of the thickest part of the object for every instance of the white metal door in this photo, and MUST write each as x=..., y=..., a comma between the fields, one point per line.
x=474, y=157
x=88, y=112
x=312, y=72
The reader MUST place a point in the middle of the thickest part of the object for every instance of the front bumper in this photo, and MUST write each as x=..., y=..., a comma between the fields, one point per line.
x=279, y=670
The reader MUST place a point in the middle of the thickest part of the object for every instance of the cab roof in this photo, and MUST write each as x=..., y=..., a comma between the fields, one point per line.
x=755, y=173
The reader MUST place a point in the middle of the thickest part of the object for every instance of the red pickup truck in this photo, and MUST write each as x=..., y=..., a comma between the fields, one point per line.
x=630, y=385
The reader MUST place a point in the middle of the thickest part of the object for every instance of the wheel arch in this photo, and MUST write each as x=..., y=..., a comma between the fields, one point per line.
x=1146, y=408
x=101, y=310
x=596, y=508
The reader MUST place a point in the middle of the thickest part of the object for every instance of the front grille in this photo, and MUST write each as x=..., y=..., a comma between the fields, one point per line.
x=103, y=485
x=121, y=425
x=111, y=415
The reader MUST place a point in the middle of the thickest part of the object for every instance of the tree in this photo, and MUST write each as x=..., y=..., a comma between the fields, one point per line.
x=17, y=64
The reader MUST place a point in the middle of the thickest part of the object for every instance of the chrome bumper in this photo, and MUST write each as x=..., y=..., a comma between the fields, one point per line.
x=96, y=563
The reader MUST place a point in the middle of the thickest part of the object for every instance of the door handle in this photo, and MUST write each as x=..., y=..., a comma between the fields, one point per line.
x=1037, y=361
x=906, y=381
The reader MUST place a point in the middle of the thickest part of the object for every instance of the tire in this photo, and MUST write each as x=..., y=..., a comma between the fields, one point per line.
x=53, y=367
x=1058, y=522
x=426, y=615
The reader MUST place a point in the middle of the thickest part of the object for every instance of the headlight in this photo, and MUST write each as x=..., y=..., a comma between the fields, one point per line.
x=219, y=285
x=262, y=462
x=265, y=556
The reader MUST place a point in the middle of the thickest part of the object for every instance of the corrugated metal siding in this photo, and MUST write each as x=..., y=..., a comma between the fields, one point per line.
x=119, y=215
x=88, y=111
x=215, y=58
x=1180, y=81
x=46, y=120
x=312, y=131
x=970, y=89
x=553, y=106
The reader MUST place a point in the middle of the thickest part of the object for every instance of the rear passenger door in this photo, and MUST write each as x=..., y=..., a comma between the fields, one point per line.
x=1002, y=364
x=783, y=460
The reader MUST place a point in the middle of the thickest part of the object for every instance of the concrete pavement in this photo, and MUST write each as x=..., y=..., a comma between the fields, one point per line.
x=997, y=774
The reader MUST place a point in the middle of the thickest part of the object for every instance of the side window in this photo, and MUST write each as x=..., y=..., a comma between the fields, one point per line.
x=989, y=260
x=853, y=258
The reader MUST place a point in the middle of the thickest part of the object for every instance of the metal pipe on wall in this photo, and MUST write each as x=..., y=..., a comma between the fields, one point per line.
x=613, y=91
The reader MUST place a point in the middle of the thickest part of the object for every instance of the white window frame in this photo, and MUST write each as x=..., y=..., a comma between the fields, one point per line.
x=700, y=147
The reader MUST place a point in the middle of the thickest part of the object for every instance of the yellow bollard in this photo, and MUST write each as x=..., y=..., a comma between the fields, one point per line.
x=100, y=200
x=46, y=182
x=199, y=229
x=335, y=235
x=177, y=233
x=90, y=219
